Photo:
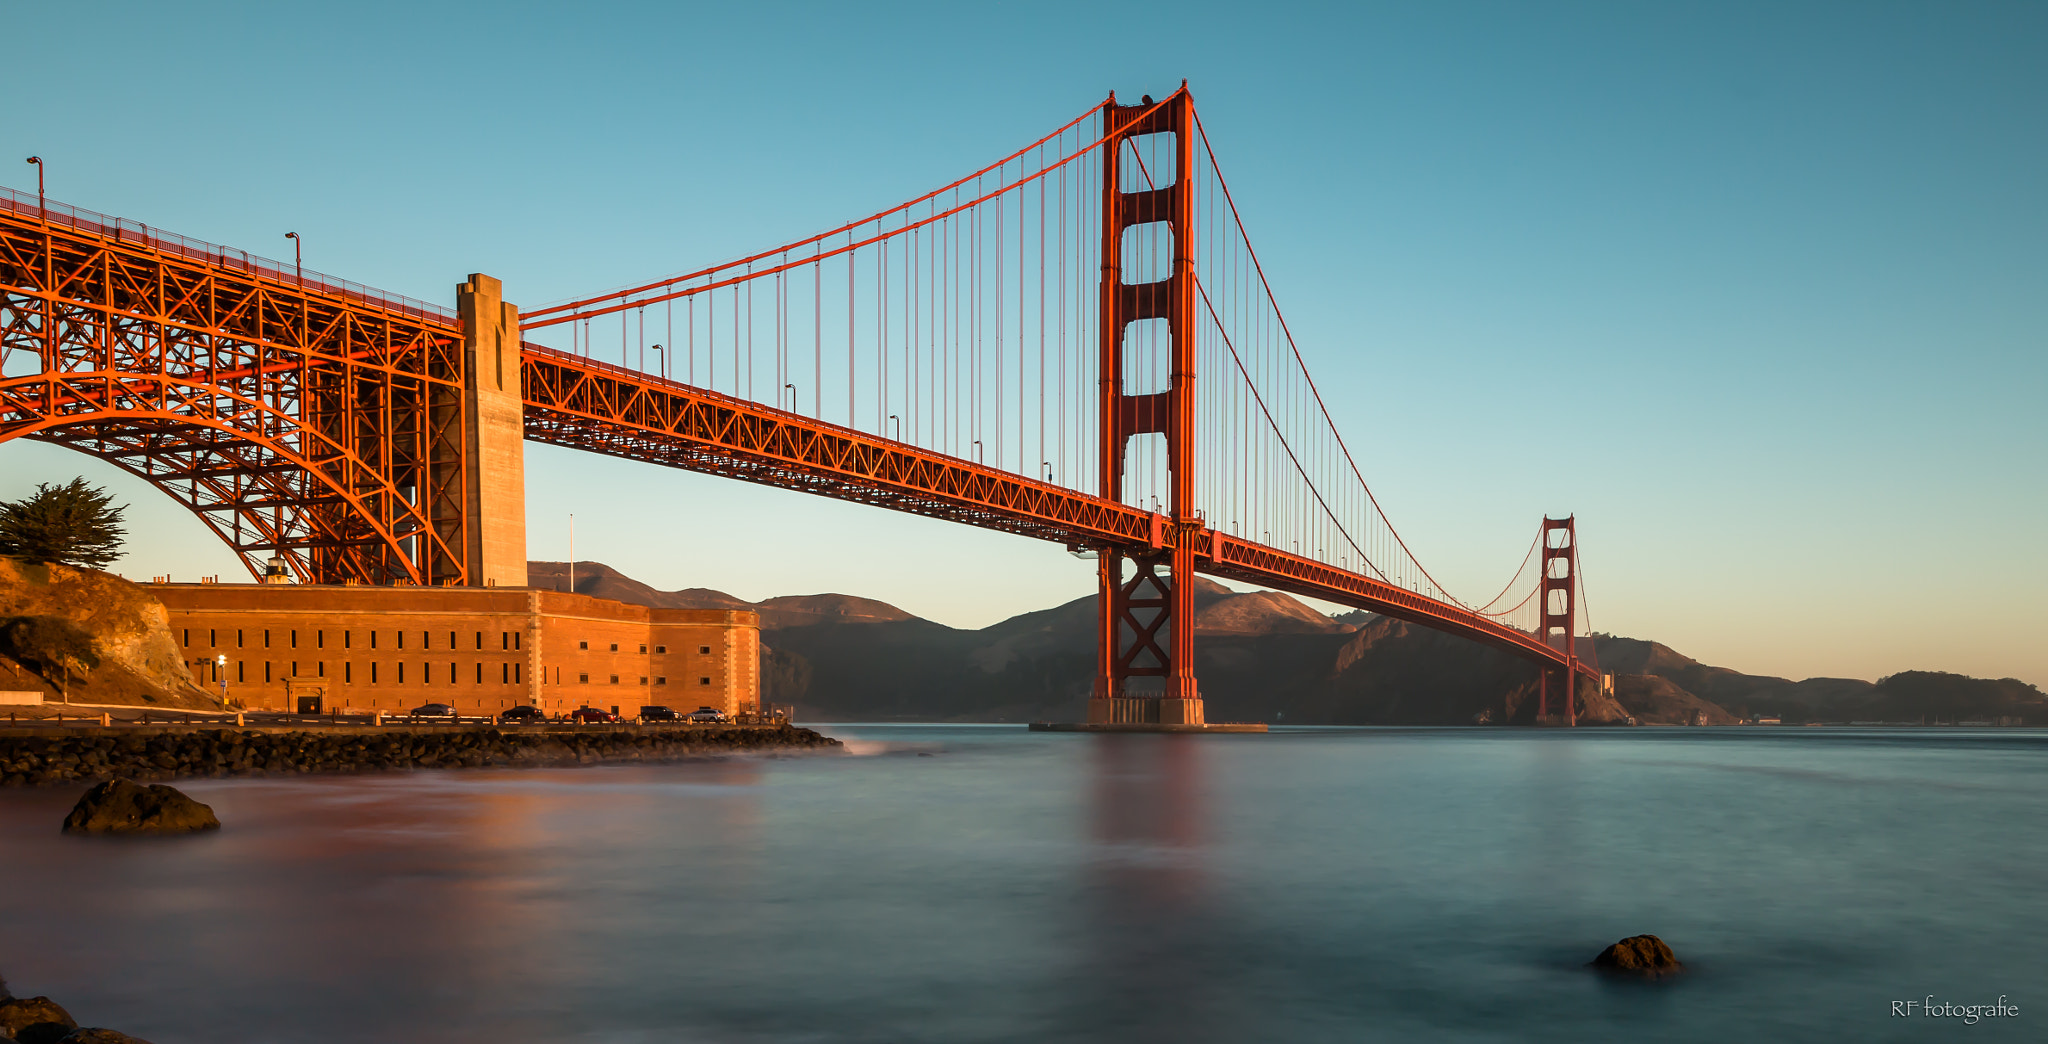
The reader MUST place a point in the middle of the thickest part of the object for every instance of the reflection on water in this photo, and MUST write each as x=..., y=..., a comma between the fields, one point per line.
x=963, y=883
x=1148, y=922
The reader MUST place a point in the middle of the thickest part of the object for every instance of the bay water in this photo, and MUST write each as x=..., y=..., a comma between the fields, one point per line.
x=966, y=883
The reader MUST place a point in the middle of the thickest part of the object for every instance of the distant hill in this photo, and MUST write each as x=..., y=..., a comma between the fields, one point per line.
x=1264, y=656
x=1682, y=683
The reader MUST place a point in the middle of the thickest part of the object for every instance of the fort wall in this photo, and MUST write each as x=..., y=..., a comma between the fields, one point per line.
x=358, y=650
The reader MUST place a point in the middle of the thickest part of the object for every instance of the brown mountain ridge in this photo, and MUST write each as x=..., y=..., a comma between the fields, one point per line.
x=1265, y=656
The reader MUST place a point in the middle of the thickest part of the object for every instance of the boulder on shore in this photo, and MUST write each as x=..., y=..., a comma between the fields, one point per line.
x=35, y=1020
x=1638, y=956
x=121, y=806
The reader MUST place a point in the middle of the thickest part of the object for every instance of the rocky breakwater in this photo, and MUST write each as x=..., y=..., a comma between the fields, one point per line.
x=91, y=755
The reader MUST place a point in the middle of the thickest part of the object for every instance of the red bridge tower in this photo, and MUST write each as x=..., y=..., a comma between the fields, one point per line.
x=1560, y=607
x=1146, y=621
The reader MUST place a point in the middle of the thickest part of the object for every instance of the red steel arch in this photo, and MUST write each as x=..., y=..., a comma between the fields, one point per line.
x=304, y=419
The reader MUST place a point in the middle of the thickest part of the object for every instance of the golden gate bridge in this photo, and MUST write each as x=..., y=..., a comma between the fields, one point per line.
x=1075, y=343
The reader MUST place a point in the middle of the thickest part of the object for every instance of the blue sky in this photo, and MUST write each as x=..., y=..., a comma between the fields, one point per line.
x=1759, y=291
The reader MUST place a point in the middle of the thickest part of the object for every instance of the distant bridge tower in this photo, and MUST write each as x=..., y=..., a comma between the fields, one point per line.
x=1559, y=592
x=1146, y=621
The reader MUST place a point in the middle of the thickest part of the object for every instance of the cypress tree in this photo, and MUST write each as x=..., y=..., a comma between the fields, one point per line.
x=75, y=523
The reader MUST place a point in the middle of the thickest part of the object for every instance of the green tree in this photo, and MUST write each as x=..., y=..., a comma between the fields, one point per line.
x=74, y=523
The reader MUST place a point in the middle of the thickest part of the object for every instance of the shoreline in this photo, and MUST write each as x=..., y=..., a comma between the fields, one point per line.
x=35, y=757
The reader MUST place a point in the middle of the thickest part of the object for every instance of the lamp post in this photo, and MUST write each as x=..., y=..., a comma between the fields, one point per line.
x=899, y=426
x=791, y=388
x=298, y=265
x=1047, y=465
x=220, y=671
x=660, y=361
x=38, y=161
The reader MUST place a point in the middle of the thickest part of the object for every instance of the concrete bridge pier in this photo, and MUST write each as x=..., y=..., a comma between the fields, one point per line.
x=494, y=454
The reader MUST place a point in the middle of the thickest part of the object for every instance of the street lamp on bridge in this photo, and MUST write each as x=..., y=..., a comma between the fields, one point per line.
x=660, y=361
x=38, y=161
x=298, y=265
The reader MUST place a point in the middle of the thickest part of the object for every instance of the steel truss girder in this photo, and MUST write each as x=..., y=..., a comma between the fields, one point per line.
x=290, y=419
x=576, y=402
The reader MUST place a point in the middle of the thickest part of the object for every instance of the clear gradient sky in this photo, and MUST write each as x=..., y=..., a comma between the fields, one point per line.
x=1758, y=291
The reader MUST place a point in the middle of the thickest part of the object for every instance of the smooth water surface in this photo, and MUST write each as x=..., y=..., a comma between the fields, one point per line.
x=982, y=883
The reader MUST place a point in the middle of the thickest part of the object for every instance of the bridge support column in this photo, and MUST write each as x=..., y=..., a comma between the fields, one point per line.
x=494, y=454
x=1146, y=627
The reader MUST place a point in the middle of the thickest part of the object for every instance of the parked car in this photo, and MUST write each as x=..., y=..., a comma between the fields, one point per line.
x=708, y=716
x=524, y=715
x=651, y=714
x=435, y=710
x=592, y=716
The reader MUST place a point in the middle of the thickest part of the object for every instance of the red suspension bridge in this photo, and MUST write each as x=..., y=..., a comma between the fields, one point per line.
x=1075, y=343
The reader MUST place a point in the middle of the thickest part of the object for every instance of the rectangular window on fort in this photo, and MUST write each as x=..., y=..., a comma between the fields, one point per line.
x=615, y=647
x=266, y=670
x=348, y=672
x=515, y=640
x=295, y=637
x=643, y=679
x=188, y=637
x=615, y=679
x=239, y=672
x=401, y=638
x=295, y=668
x=452, y=667
x=479, y=672
x=320, y=668
x=451, y=641
x=373, y=639
x=212, y=639
x=704, y=650
x=583, y=679
x=401, y=673
x=320, y=639
x=238, y=639
x=643, y=650
x=348, y=639
x=504, y=673
x=515, y=674
x=661, y=650
x=266, y=638
x=661, y=680
x=504, y=640
x=373, y=672
x=427, y=639
x=582, y=645
x=703, y=681
x=479, y=639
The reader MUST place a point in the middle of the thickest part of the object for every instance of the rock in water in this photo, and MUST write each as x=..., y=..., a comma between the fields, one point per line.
x=34, y=1020
x=121, y=806
x=1641, y=956
x=83, y=1035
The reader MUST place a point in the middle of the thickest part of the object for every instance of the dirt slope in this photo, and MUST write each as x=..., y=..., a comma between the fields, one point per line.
x=140, y=662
